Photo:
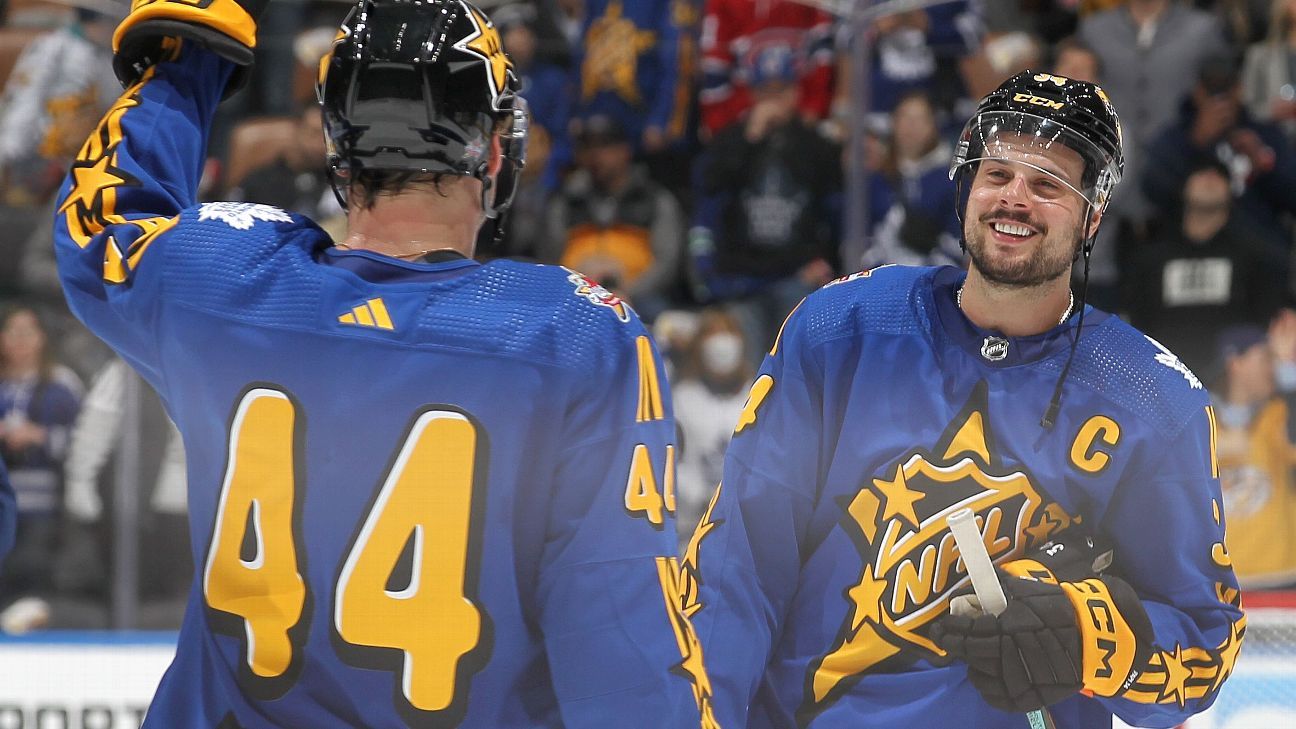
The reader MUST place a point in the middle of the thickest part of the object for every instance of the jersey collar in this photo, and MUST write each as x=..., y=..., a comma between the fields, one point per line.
x=993, y=348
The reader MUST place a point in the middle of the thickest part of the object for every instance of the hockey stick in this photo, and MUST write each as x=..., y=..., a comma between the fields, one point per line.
x=985, y=583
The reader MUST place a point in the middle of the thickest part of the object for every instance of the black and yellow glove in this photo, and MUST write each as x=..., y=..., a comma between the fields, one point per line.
x=226, y=27
x=1067, y=628
x=1052, y=641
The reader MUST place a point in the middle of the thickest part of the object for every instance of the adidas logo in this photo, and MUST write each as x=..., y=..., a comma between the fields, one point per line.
x=372, y=313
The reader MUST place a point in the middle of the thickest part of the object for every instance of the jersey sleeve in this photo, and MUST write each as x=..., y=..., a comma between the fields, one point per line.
x=1168, y=528
x=131, y=179
x=617, y=641
x=740, y=572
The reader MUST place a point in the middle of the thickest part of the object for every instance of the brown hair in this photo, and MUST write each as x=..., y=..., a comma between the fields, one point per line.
x=45, y=371
x=369, y=185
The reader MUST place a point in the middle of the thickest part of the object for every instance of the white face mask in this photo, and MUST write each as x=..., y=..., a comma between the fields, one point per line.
x=722, y=352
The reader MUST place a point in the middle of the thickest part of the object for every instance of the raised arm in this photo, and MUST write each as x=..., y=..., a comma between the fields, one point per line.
x=141, y=166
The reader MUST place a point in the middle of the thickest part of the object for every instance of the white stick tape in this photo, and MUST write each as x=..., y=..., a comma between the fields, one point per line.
x=977, y=561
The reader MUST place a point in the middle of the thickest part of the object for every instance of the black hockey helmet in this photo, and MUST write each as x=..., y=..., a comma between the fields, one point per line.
x=420, y=86
x=1048, y=110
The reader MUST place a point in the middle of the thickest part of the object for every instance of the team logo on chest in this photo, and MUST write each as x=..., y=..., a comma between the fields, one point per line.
x=910, y=564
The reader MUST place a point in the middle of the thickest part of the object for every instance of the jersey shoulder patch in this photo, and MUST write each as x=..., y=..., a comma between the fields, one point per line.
x=544, y=313
x=593, y=292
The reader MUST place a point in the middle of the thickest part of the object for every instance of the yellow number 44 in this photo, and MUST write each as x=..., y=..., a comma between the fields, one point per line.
x=421, y=524
x=642, y=497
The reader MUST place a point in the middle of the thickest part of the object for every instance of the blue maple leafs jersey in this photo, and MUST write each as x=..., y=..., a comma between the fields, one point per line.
x=421, y=495
x=816, y=574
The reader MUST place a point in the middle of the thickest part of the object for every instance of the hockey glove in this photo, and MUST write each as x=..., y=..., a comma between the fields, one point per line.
x=1027, y=657
x=226, y=27
x=1051, y=642
x=1070, y=556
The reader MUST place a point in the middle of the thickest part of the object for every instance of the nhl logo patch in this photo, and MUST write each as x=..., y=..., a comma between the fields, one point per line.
x=994, y=348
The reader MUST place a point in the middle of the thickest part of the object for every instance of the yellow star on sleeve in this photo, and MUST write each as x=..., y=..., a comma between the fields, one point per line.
x=89, y=182
x=1176, y=674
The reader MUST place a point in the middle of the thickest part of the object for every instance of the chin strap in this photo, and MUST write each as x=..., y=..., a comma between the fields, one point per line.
x=1055, y=403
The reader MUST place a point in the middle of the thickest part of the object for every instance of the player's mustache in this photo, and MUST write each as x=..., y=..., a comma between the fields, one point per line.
x=1003, y=214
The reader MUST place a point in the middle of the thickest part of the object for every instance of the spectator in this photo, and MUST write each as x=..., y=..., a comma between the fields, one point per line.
x=613, y=223
x=708, y=397
x=297, y=179
x=998, y=58
x=765, y=229
x=1050, y=20
x=39, y=400
x=166, y=571
x=1268, y=79
x=912, y=196
x=1073, y=59
x=1191, y=283
x=736, y=30
x=547, y=88
x=60, y=86
x=626, y=66
x=1244, y=21
x=1256, y=457
x=918, y=49
x=1215, y=124
x=1150, y=52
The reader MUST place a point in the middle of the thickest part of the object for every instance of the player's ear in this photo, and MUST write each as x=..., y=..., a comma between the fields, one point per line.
x=1095, y=219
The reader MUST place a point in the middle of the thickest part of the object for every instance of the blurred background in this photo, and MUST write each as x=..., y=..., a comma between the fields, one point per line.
x=712, y=162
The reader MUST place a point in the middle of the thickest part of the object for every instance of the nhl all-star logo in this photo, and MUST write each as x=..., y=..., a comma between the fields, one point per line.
x=994, y=348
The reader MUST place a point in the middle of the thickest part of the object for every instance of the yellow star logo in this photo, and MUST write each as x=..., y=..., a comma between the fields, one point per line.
x=89, y=182
x=1039, y=532
x=867, y=596
x=1228, y=653
x=1176, y=674
x=899, y=500
x=612, y=48
x=485, y=43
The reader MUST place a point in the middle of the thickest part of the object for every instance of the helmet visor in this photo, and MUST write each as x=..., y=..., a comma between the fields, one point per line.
x=1019, y=138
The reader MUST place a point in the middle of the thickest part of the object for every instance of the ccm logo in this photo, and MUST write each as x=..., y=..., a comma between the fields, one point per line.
x=1025, y=98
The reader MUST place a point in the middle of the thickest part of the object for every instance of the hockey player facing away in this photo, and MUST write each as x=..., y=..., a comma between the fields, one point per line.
x=423, y=492
x=821, y=577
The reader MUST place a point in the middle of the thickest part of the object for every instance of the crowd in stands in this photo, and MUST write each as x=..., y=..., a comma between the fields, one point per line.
x=696, y=157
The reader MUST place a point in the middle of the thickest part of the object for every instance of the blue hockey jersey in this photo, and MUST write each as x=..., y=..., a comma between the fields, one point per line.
x=420, y=494
x=817, y=572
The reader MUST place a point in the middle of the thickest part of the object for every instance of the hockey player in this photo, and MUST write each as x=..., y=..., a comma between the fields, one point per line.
x=423, y=491
x=821, y=577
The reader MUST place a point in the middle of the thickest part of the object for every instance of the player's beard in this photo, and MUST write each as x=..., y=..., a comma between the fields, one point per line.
x=1048, y=262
